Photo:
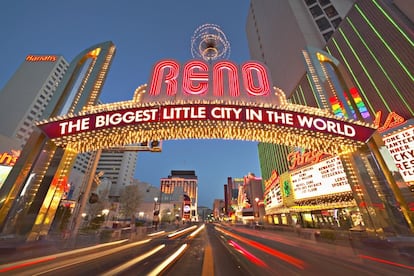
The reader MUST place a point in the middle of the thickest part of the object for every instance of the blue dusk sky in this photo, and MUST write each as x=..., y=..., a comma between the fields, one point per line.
x=144, y=32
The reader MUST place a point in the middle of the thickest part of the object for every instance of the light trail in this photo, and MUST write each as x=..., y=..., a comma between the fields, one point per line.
x=247, y=254
x=25, y=263
x=182, y=231
x=134, y=261
x=168, y=261
x=93, y=256
x=156, y=233
x=385, y=262
x=276, y=253
x=192, y=235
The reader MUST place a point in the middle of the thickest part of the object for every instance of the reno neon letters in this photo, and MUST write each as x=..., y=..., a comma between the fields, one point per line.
x=220, y=79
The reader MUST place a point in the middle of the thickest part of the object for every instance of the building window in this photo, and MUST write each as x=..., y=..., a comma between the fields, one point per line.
x=323, y=24
x=324, y=2
x=327, y=35
x=316, y=11
x=310, y=2
x=330, y=11
x=336, y=22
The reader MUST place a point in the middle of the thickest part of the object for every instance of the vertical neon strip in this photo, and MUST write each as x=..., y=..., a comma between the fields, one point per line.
x=313, y=91
x=218, y=81
x=195, y=83
x=380, y=66
x=365, y=70
x=394, y=23
x=352, y=73
x=359, y=103
x=303, y=95
x=385, y=43
x=336, y=107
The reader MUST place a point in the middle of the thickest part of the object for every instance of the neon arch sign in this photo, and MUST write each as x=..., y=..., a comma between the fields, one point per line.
x=197, y=80
x=206, y=101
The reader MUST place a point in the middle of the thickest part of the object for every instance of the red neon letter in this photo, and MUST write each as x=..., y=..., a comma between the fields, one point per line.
x=263, y=86
x=170, y=78
x=195, y=83
x=233, y=80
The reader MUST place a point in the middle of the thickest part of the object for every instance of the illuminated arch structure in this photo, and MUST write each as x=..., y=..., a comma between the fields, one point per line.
x=194, y=100
x=32, y=191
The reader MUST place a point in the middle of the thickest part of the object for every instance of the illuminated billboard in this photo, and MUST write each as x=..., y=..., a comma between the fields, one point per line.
x=400, y=144
x=324, y=178
x=4, y=172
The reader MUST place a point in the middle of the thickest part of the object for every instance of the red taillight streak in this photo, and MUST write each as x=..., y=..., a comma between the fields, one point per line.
x=287, y=258
x=248, y=255
x=385, y=261
x=27, y=264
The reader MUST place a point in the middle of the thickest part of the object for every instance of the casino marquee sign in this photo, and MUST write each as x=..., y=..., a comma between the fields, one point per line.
x=197, y=100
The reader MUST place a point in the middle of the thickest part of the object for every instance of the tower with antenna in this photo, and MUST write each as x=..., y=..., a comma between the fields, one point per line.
x=209, y=43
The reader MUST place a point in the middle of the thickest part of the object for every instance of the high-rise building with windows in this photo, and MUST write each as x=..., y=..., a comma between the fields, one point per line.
x=371, y=51
x=373, y=42
x=42, y=166
x=188, y=181
x=278, y=30
x=119, y=168
x=26, y=95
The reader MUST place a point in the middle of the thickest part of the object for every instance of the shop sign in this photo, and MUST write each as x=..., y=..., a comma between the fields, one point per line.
x=299, y=159
x=401, y=147
x=9, y=159
x=324, y=178
x=36, y=58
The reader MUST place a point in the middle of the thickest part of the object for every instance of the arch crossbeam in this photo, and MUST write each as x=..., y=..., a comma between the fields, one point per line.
x=112, y=125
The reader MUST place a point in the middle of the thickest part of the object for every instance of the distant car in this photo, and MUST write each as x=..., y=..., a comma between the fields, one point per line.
x=259, y=226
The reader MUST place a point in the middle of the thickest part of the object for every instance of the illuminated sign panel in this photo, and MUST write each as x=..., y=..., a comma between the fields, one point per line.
x=212, y=112
x=37, y=58
x=4, y=172
x=401, y=147
x=9, y=159
x=297, y=159
x=324, y=178
x=273, y=193
x=199, y=80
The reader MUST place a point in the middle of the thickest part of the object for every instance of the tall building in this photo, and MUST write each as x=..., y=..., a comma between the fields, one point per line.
x=278, y=30
x=42, y=166
x=372, y=45
x=188, y=182
x=375, y=45
x=25, y=96
x=232, y=194
x=368, y=30
x=119, y=168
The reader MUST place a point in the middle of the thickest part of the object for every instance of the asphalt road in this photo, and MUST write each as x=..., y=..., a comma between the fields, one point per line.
x=214, y=249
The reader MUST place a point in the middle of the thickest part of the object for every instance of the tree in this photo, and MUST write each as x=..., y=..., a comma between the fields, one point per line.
x=129, y=201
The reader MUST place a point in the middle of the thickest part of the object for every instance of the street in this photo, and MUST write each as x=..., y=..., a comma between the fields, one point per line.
x=214, y=249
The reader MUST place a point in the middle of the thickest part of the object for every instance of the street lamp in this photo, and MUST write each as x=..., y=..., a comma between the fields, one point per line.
x=155, y=203
x=155, y=215
x=105, y=212
x=257, y=204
